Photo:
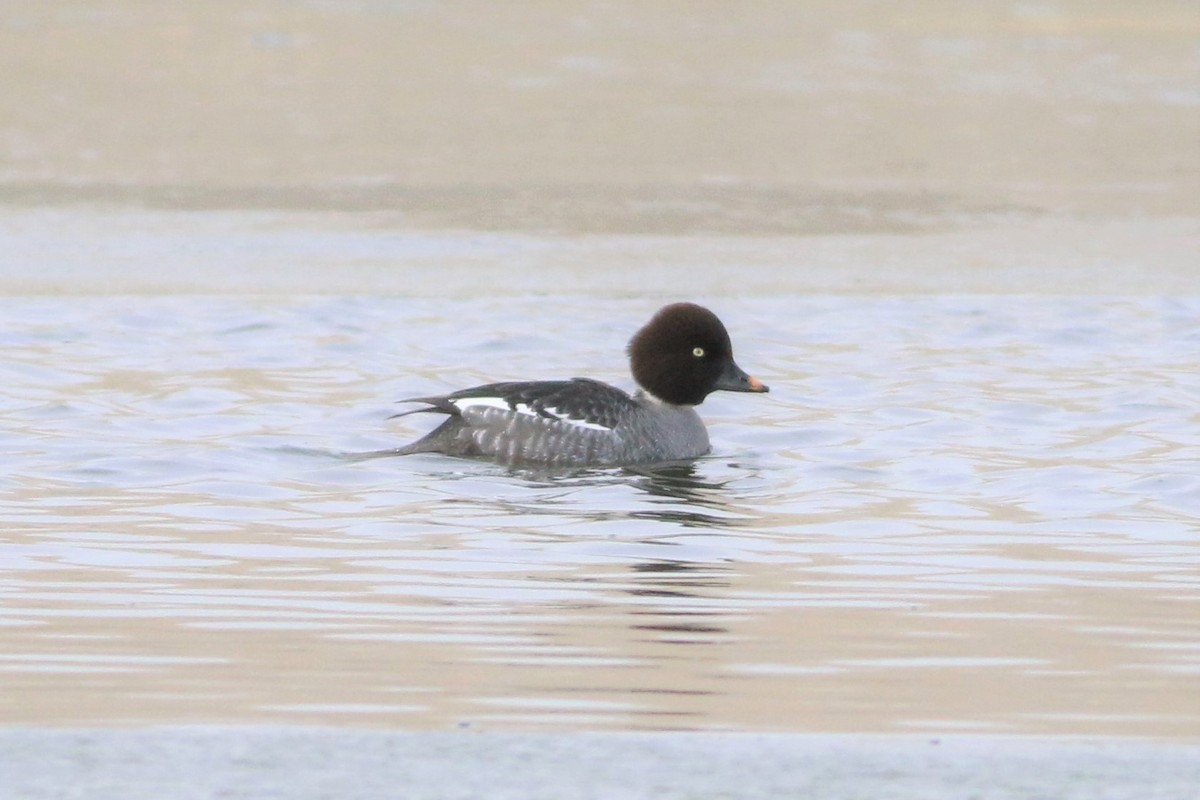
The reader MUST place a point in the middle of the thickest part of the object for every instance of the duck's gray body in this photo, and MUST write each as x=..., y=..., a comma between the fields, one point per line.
x=561, y=424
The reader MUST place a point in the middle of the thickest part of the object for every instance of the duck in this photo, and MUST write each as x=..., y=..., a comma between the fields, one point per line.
x=677, y=359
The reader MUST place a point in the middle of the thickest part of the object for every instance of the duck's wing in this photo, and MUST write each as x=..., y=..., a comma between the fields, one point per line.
x=581, y=402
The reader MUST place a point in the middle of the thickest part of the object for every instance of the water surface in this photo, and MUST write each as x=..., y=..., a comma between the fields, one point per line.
x=951, y=513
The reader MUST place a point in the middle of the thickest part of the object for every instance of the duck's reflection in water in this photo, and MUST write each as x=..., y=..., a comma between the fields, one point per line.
x=682, y=494
x=676, y=492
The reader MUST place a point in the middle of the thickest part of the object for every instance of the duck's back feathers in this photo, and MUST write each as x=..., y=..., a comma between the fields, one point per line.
x=566, y=422
x=579, y=401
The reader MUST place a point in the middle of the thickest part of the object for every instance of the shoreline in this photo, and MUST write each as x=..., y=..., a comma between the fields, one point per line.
x=71, y=251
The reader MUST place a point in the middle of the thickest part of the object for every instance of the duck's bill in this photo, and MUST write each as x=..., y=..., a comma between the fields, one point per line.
x=735, y=379
x=755, y=385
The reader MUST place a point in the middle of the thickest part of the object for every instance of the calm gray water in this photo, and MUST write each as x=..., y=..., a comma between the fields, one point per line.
x=951, y=513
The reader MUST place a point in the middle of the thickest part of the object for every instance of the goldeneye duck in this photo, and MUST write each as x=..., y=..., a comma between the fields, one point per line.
x=678, y=358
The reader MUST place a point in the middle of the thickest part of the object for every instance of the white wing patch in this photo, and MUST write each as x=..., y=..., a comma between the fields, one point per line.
x=499, y=403
x=580, y=423
x=463, y=403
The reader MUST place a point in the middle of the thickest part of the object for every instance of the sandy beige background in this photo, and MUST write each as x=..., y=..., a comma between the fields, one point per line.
x=669, y=117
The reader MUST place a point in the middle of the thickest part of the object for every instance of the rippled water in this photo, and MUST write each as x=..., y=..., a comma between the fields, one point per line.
x=973, y=513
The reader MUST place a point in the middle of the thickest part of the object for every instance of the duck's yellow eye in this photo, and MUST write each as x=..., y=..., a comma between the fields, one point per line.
x=698, y=352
